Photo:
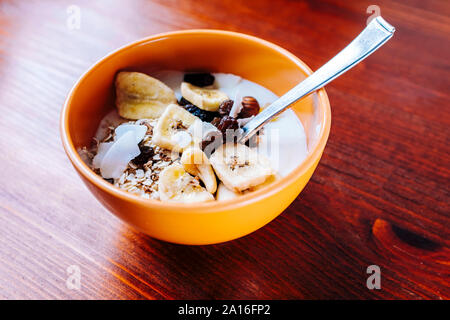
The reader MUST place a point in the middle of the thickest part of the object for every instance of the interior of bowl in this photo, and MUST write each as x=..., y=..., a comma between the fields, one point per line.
x=195, y=50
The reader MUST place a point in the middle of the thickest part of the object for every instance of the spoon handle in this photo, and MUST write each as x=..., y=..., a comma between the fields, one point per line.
x=377, y=32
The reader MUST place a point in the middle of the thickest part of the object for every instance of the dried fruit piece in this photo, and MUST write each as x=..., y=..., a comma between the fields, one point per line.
x=225, y=107
x=196, y=163
x=240, y=167
x=183, y=102
x=204, y=115
x=229, y=126
x=216, y=121
x=207, y=142
x=113, y=157
x=173, y=120
x=146, y=153
x=175, y=184
x=250, y=107
x=199, y=79
x=141, y=96
x=102, y=150
x=119, y=155
x=226, y=123
x=139, y=131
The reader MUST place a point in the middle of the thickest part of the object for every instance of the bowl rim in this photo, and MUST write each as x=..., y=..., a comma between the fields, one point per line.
x=201, y=207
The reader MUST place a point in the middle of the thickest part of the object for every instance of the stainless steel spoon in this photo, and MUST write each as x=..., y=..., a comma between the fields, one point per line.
x=377, y=32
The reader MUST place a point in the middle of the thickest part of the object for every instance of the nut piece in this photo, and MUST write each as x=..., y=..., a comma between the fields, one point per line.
x=250, y=107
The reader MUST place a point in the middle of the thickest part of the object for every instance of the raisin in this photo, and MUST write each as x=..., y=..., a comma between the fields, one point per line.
x=183, y=102
x=216, y=121
x=199, y=79
x=205, y=143
x=250, y=107
x=227, y=123
x=146, y=153
x=204, y=115
x=210, y=144
x=225, y=107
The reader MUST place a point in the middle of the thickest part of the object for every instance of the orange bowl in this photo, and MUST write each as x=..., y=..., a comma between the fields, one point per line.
x=216, y=51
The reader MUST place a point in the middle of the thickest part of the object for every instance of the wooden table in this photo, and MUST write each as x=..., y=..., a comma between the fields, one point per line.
x=380, y=195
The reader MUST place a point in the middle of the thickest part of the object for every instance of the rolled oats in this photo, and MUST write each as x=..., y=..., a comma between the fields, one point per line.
x=138, y=179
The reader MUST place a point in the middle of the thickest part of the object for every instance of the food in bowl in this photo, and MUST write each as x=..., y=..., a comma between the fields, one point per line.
x=172, y=137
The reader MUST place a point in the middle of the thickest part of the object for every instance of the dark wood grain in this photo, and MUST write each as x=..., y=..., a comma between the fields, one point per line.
x=380, y=194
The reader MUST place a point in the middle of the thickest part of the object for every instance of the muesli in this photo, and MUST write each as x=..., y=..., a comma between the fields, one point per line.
x=172, y=137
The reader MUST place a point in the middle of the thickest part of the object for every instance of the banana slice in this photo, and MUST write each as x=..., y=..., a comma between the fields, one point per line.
x=223, y=193
x=171, y=130
x=205, y=98
x=176, y=185
x=140, y=96
x=240, y=167
x=196, y=163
